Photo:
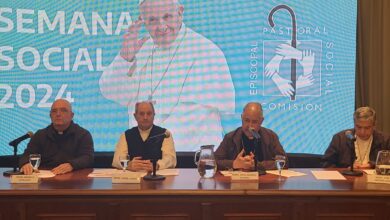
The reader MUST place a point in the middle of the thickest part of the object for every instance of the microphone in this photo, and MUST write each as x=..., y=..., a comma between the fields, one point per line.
x=351, y=140
x=350, y=136
x=153, y=156
x=166, y=134
x=20, y=139
x=254, y=133
x=14, y=144
x=260, y=169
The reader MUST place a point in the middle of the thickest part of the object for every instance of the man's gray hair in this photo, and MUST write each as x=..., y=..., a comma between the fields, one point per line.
x=365, y=113
x=147, y=102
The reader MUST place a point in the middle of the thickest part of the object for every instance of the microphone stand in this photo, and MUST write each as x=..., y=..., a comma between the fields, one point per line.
x=260, y=169
x=351, y=171
x=153, y=158
x=153, y=176
x=15, y=161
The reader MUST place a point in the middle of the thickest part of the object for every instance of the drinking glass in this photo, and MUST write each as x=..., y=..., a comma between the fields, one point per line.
x=280, y=161
x=124, y=160
x=35, y=160
x=382, y=166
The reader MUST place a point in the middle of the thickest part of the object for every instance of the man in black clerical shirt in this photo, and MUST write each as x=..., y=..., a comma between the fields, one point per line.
x=252, y=147
x=63, y=145
x=249, y=143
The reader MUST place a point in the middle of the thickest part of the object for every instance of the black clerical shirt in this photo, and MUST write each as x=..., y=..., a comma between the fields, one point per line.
x=252, y=145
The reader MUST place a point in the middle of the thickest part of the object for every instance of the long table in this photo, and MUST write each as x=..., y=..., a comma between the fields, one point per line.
x=187, y=196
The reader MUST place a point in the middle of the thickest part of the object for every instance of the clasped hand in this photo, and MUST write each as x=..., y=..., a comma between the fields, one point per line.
x=138, y=164
x=358, y=165
x=244, y=162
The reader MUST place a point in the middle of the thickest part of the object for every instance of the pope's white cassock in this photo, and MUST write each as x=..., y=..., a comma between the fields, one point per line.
x=189, y=84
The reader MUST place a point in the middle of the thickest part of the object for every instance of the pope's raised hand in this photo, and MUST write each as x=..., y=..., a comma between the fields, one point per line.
x=131, y=44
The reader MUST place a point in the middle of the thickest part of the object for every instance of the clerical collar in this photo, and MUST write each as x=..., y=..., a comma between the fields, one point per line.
x=64, y=131
x=61, y=132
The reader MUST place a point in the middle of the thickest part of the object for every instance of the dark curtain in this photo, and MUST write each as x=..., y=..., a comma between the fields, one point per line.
x=373, y=59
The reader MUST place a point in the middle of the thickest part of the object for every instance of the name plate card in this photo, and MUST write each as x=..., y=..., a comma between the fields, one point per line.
x=245, y=176
x=378, y=179
x=126, y=177
x=241, y=185
x=24, y=179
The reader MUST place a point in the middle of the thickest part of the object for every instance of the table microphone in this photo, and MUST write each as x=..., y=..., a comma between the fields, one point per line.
x=350, y=136
x=153, y=176
x=15, y=143
x=20, y=139
x=254, y=133
x=257, y=137
x=351, y=145
x=166, y=134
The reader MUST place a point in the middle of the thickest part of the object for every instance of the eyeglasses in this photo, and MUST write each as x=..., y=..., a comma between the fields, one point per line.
x=61, y=110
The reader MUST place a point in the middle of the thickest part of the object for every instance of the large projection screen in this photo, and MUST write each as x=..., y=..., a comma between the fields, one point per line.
x=295, y=57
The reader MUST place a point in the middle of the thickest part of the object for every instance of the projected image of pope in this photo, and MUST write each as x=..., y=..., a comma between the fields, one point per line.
x=184, y=74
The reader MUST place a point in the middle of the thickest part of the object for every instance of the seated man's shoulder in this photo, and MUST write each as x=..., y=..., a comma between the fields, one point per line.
x=80, y=129
x=159, y=128
x=267, y=131
x=234, y=135
x=380, y=133
x=133, y=129
x=41, y=133
x=381, y=136
x=342, y=133
x=235, y=132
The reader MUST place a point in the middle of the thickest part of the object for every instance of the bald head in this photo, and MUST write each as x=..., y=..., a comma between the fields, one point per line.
x=62, y=102
x=254, y=108
x=251, y=118
x=61, y=114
